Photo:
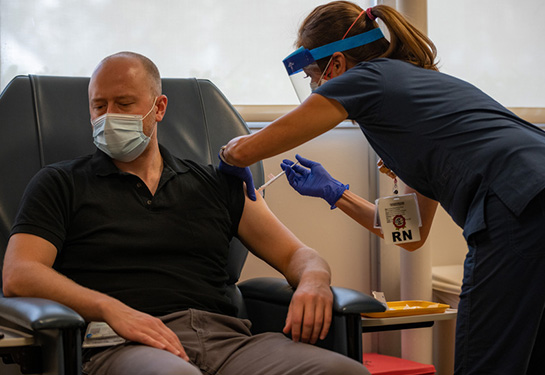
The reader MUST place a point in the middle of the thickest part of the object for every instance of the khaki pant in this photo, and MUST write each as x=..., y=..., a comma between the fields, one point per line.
x=222, y=345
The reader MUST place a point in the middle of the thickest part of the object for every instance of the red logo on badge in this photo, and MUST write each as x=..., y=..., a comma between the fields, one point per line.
x=399, y=222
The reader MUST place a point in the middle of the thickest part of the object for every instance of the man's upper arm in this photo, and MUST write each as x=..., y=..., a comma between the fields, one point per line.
x=24, y=250
x=28, y=247
x=265, y=236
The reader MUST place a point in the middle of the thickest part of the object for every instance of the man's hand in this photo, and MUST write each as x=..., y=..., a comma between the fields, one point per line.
x=139, y=327
x=310, y=313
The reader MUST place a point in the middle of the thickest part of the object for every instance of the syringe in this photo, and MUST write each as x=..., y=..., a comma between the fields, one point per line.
x=273, y=179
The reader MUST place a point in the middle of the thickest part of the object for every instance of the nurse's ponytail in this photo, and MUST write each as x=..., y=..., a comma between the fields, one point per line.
x=328, y=23
x=406, y=41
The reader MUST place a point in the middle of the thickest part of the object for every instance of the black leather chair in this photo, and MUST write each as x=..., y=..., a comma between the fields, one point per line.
x=45, y=119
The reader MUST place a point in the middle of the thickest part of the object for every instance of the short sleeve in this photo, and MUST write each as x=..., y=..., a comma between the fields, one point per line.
x=359, y=90
x=234, y=197
x=45, y=209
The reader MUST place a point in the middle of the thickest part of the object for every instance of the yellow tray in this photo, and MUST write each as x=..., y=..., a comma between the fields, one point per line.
x=405, y=308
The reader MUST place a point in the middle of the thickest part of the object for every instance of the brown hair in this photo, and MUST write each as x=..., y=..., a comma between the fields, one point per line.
x=328, y=23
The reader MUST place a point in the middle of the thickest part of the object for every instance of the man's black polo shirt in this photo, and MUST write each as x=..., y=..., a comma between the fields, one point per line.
x=158, y=254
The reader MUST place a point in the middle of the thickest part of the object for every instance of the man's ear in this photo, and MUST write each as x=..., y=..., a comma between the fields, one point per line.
x=338, y=65
x=161, y=104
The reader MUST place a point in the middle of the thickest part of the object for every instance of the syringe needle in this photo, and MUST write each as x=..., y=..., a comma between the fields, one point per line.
x=274, y=178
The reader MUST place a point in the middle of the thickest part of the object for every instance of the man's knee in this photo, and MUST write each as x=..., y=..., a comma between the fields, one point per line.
x=159, y=367
x=178, y=370
x=138, y=359
x=341, y=365
x=332, y=363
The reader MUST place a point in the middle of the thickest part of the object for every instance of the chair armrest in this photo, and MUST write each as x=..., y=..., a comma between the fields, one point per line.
x=278, y=291
x=38, y=313
x=350, y=301
x=267, y=301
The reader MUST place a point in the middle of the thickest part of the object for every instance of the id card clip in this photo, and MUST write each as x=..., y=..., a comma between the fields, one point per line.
x=398, y=217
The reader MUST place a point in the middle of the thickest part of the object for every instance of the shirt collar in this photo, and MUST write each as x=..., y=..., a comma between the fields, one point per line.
x=103, y=165
x=176, y=164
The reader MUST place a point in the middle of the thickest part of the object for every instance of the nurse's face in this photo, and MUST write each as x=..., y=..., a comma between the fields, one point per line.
x=336, y=66
x=314, y=72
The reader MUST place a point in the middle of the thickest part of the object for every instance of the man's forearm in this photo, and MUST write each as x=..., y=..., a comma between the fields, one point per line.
x=39, y=280
x=32, y=279
x=306, y=265
x=310, y=312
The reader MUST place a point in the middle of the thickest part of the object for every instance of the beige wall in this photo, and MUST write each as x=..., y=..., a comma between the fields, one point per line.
x=446, y=240
x=340, y=240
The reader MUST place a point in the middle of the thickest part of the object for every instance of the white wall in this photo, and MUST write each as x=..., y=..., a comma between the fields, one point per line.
x=446, y=240
x=495, y=44
x=238, y=44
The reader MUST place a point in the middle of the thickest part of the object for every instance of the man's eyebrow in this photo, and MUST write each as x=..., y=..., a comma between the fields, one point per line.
x=126, y=97
x=121, y=97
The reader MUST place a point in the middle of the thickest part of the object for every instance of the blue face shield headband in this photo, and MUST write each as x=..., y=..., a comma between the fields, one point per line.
x=301, y=61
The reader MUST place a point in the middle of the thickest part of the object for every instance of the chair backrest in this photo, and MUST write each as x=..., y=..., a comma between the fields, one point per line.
x=45, y=119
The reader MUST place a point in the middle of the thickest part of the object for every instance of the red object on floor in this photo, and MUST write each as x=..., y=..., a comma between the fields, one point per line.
x=379, y=364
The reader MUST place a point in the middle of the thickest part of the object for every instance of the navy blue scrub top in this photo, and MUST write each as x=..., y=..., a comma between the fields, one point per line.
x=443, y=137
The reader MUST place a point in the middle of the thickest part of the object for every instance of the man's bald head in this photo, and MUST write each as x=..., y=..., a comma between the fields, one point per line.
x=149, y=67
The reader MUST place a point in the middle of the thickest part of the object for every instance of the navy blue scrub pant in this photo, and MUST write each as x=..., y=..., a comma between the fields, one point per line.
x=500, y=327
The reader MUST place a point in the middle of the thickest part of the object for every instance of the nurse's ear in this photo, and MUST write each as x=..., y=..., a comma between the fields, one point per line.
x=339, y=64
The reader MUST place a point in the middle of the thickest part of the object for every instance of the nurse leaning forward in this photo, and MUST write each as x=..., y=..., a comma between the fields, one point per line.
x=450, y=143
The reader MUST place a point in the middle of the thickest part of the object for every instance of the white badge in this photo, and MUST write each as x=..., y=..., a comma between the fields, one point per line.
x=398, y=217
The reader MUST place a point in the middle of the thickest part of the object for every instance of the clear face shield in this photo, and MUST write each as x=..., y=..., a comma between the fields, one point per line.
x=301, y=67
x=303, y=70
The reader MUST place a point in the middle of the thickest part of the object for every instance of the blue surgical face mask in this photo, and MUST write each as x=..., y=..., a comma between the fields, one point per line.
x=121, y=136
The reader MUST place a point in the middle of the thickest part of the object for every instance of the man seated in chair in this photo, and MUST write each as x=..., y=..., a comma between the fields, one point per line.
x=137, y=238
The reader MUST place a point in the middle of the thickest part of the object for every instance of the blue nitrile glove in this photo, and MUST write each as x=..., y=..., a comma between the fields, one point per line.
x=313, y=182
x=243, y=173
